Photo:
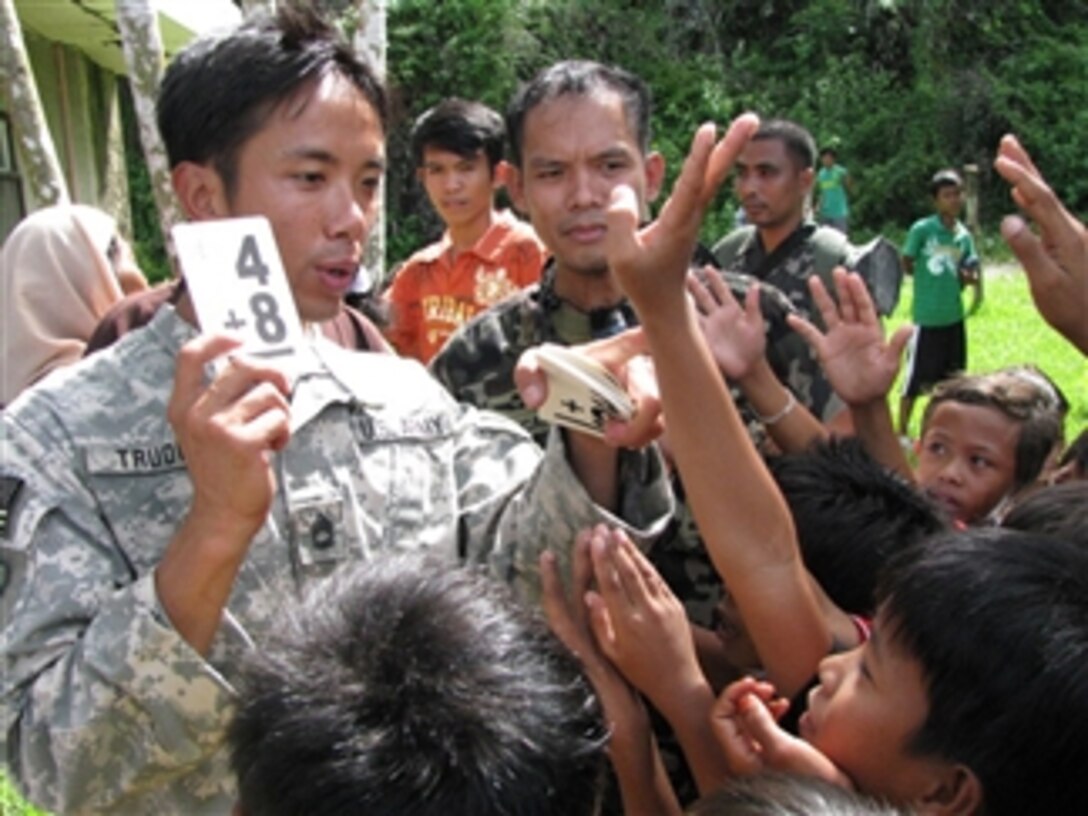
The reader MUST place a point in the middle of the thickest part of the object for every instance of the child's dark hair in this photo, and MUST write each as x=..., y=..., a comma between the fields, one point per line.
x=851, y=514
x=780, y=794
x=1059, y=510
x=220, y=90
x=460, y=126
x=998, y=622
x=944, y=178
x=1023, y=394
x=410, y=685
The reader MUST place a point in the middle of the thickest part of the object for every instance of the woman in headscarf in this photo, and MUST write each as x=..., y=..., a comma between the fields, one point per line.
x=61, y=269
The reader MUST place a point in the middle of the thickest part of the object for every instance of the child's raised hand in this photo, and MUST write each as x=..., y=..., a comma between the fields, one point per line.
x=859, y=364
x=736, y=337
x=650, y=263
x=745, y=721
x=730, y=721
x=568, y=619
x=639, y=623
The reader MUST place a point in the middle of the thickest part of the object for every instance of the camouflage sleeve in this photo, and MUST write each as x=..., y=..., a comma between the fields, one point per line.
x=551, y=506
x=101, y=698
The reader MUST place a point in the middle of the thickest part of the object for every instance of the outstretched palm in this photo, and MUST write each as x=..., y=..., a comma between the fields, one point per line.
x=859, y=363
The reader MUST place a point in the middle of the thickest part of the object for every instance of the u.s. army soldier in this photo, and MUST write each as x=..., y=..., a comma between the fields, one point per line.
x=155, y=512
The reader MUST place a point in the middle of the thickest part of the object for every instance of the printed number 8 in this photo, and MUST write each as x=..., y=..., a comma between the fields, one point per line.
x=270, y=327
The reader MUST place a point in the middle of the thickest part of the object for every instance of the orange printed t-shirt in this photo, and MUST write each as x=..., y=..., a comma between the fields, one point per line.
x=431, y=298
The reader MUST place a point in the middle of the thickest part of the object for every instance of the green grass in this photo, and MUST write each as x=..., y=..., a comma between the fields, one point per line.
x=1006, y=330
x=11, y=804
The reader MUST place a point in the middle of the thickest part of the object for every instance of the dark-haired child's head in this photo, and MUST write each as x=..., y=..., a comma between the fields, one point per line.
x=969, y=698
x=851, y=514
x=946, y=188
x=413, y=686
x=1059, y=510
x=780, y=794
x=985, y=437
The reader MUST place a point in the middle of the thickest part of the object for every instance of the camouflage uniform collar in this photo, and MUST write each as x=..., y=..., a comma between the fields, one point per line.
x=570, y=325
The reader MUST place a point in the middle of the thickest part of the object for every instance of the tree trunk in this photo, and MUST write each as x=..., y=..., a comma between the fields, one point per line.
x=370, y=43
x=40, y=166
x=143, y=50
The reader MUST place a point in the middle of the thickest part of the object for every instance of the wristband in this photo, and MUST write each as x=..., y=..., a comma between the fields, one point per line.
x=791, y=403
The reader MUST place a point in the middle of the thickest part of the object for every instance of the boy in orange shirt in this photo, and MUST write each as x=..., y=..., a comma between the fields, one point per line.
x=484, y=255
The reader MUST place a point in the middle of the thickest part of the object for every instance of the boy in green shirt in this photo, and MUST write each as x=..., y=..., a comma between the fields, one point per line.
x=940, y=253
x=832, y=185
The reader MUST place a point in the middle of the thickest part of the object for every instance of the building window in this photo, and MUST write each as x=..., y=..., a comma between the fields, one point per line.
x=12, y=207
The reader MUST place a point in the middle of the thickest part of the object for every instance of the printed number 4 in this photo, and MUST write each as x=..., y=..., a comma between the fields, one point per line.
x=249, y=263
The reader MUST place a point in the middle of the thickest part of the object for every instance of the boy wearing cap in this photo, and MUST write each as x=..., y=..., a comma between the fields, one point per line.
x=940, y=253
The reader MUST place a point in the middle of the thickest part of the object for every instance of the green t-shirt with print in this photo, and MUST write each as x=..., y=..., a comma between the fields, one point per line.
x=830, y=181
x=939, y=253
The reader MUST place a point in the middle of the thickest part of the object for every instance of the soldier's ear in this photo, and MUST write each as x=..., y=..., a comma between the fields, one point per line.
x=201, y=191
x=655, y=175
x=515, y=188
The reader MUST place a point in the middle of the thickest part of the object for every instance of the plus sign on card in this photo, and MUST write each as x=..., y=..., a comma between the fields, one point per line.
x=236, y=281
x=582, y=393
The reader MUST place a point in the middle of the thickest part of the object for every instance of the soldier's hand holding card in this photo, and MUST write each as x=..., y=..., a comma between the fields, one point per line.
x=605, y=389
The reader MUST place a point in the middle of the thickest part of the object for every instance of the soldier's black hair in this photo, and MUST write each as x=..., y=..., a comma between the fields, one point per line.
x=220, y=90
x=797, y=140
x=580, y=78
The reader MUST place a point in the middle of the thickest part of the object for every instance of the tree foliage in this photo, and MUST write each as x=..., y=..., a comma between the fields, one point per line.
x=899, y=87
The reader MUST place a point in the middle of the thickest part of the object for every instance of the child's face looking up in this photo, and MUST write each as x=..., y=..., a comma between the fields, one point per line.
x=867, y=707
x=967, y=459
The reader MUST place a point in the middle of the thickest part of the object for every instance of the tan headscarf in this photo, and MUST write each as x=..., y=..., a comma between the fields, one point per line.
x=56, y=282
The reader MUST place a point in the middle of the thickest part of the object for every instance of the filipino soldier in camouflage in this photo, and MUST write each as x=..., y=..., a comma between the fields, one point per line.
x=782, y=247
x=155, y=512
x=562, y=178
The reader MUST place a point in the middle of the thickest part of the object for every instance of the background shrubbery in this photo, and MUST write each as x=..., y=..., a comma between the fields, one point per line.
x=900, y=87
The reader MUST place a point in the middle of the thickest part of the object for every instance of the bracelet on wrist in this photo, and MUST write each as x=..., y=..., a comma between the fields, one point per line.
x=791, y=403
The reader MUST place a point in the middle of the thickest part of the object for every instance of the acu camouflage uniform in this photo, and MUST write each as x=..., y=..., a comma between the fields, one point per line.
x=477, y=366
x=105, y=707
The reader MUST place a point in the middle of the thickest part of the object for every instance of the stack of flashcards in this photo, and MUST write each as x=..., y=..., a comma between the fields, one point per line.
x=236, y=280
x=582, y=393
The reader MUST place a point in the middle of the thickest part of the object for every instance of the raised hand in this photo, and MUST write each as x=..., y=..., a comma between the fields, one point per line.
x=644, y=785
x=859, y=364
x=745, y=721
x=736, y=337
x=640, y=624
x=1057, y=265
x=651, y=263
x=228, y=429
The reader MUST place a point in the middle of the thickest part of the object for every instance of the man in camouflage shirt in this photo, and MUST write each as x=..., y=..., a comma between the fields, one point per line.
x=773, y=180
x=155, y=512
x=562, y=178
